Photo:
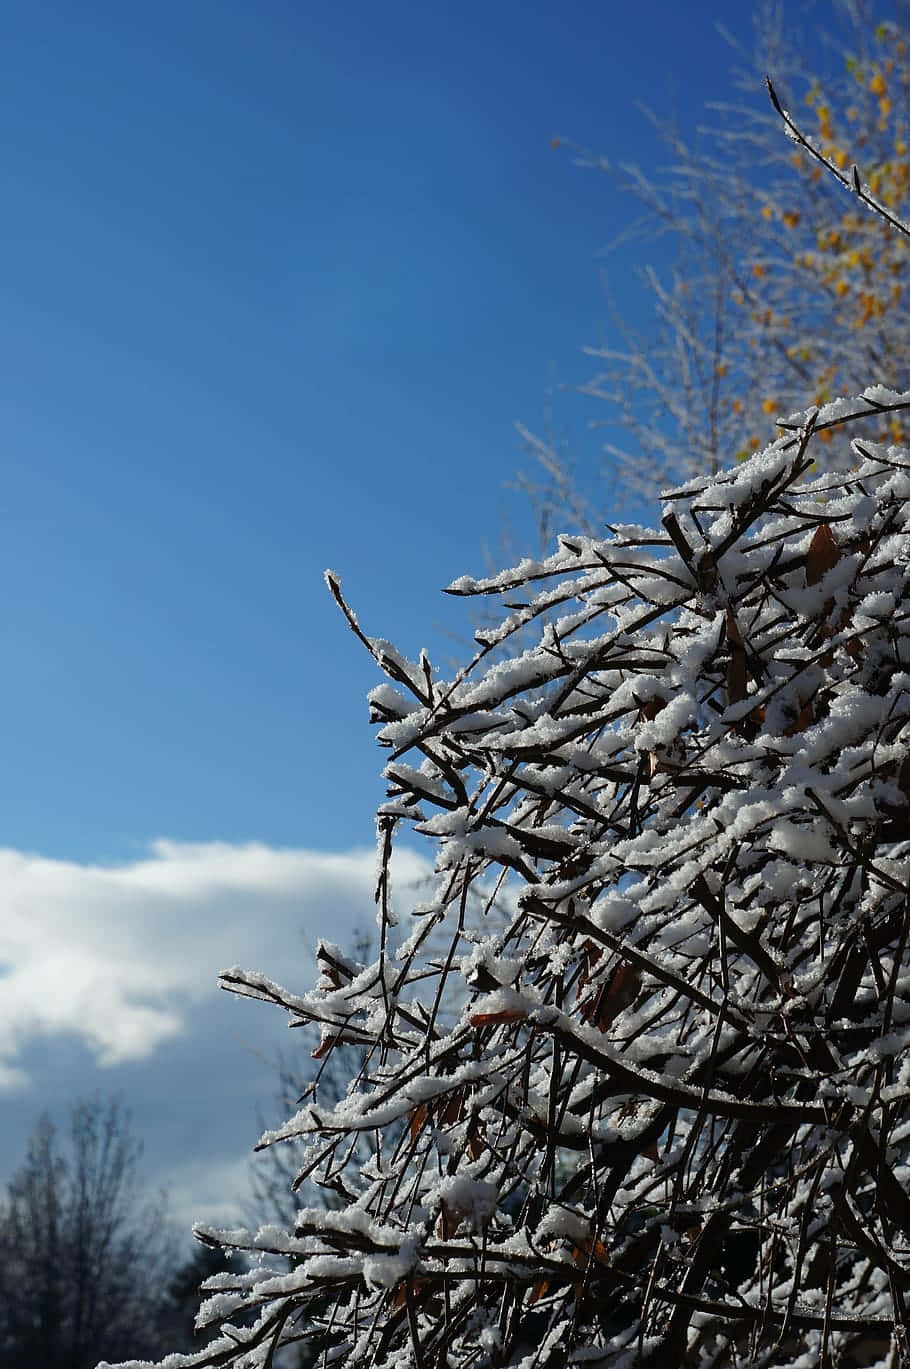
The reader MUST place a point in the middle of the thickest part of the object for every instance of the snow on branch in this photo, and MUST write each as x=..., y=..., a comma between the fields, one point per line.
x=651, y=1087
x=635, y=1086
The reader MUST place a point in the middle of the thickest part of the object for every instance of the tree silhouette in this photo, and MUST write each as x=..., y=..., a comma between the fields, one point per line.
x=83, y=1257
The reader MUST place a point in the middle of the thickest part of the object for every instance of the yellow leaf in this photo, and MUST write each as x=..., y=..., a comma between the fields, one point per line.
x=791, y=218
x=877, y=84
x=759, y=270
x=769, y=406
x=767, y=212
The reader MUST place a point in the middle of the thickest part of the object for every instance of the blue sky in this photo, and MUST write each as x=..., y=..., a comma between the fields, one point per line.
x=278, y=281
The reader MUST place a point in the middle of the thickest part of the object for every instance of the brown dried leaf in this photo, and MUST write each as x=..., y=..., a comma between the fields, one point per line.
x=401, y=1295
x=592, y=954
x=898, y=829
x=737, y=677
x=903, y=778
x=649, y=711
x=446, y=1115
x=583, y=1251
x=418, y=1120
x=824, y=554
x=491, y=1019
x=616, y=995
x=325, y=1045
x=449, y=1220
x=804, y=718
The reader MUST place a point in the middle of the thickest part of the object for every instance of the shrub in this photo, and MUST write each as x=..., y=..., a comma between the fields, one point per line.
x=656, y=1110
x=663, y=1116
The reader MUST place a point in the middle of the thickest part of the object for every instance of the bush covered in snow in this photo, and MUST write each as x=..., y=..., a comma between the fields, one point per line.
x=635, y=1087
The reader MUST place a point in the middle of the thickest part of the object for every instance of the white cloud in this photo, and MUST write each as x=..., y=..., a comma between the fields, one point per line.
x=216, y=1192
x=118, y=955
